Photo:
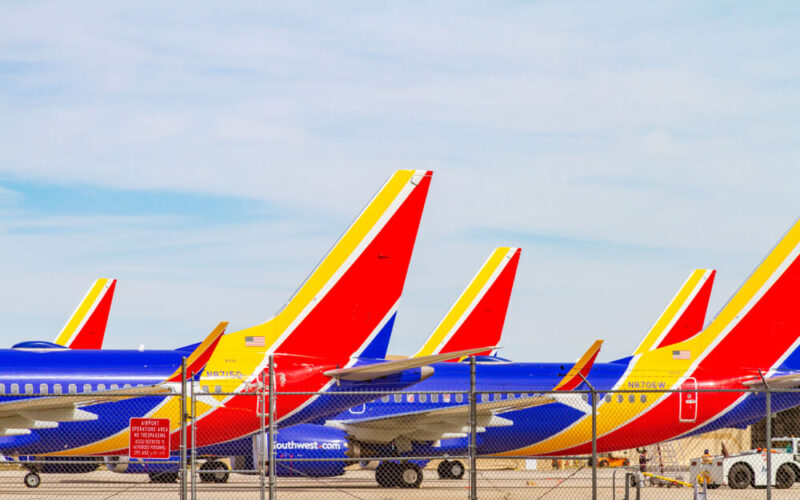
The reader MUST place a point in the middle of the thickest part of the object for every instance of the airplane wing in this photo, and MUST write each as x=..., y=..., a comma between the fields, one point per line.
x=435, y=424
x=377, y=370
x=581, y=369
x=19, y=416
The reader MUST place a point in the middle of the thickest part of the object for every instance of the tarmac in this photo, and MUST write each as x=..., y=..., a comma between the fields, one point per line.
x=360, y=485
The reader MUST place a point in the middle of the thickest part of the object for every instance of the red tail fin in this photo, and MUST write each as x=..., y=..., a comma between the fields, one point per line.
x=477, y=317
x=353, y=292
x=86, y=328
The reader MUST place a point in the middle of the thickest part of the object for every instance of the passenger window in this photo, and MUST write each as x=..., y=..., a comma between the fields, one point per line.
x=632, y=398
x=398, y=398
x=2, y=388
x=423, y=398
x=28, y=388
x=410, y=398
x=643, y=398
x=73, y=388
x=385, y=399
x=42, y=388
x=608, y=398
x=56, y=388
x=620, y=397
x=434, y=398
x=14, y=389
x=205, y=388
x=484, y=397
x=127, y=386
x=585, y=397
x=498, y=397
x=459, y=398
x=113, y=387
x=101, y=387
x=218, y=389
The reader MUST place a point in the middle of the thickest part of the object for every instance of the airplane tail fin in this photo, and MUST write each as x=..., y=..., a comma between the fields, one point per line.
x=86, y=328
x=758, y=327
x=353, y=293
x=685, y=314
x=478, y=315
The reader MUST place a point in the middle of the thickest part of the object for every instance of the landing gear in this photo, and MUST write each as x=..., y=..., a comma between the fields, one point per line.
x=163, y=477
x=32, y=480
x=450, y=469
x=398, y=475
x=214, y=471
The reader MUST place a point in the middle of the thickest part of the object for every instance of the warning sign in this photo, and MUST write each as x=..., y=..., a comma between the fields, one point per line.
x=149, y=438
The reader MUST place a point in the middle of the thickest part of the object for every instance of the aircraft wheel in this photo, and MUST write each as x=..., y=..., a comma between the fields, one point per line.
x=444, y=469
x=456, y=469
x=32, y=480
x=784, y=477
x=214, y=471
x=384, y=474
x=410, y=475
x=740, y=476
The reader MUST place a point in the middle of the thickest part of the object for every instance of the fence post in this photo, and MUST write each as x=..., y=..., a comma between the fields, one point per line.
x=594, y=437
x=272, y=396
x=183, y=429
x=194, y=440
x=262, y=458
x=768, y=423
x=473, y=432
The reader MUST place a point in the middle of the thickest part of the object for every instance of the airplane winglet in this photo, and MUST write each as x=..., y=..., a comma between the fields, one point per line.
x=582, y=367
x=377, y=370
x=478, y=315
x=86, y=328
x=199, y=357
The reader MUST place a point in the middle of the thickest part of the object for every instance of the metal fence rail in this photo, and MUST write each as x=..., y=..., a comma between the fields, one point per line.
x=462, y=443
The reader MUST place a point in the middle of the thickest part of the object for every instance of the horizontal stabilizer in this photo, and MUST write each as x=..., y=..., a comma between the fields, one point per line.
x=582, y=367
x=788, y=381
x=377, y=370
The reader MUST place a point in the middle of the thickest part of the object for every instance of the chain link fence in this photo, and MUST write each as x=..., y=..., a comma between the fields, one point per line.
x=461, y=444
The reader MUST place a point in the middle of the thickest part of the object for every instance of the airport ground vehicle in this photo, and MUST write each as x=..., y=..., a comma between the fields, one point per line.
x=749, y=469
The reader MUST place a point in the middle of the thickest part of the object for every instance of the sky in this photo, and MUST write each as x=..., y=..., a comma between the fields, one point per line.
x=208, y=156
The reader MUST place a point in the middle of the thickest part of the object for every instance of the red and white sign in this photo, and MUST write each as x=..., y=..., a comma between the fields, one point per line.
x=149, y=438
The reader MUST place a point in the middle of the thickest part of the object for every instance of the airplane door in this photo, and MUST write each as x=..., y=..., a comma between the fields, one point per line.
x=687, y=411
x=358, y=410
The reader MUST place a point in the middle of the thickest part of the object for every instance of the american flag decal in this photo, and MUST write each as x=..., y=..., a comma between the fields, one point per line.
x=681, y=354
x=254, y=341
